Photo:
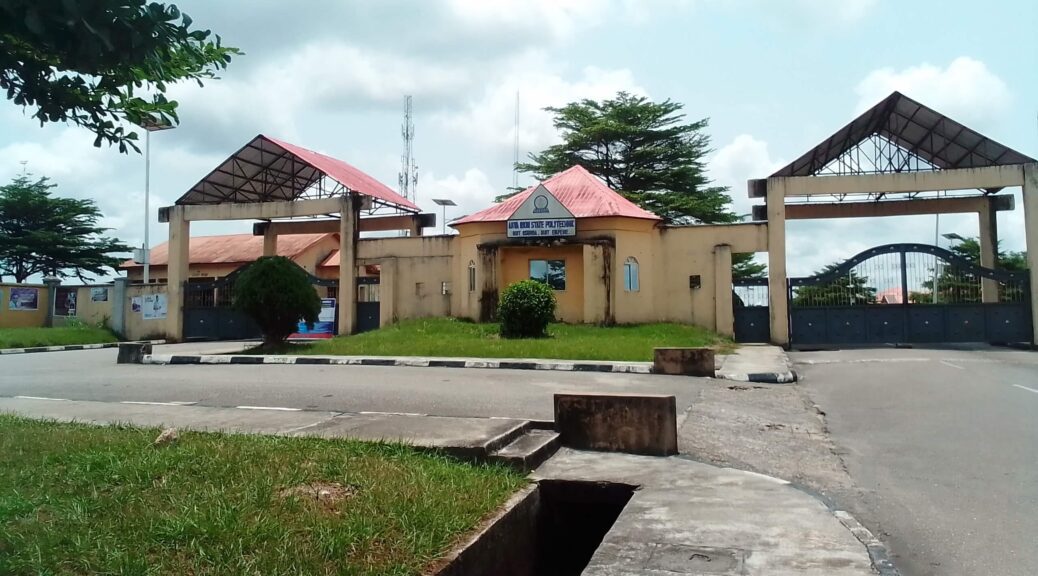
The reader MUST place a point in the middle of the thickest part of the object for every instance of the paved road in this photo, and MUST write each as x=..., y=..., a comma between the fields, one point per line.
x=943, y=446
x=93, y=375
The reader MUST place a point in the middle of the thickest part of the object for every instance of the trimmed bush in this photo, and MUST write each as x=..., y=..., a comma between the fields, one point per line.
x=276, y=293
x=525, y=309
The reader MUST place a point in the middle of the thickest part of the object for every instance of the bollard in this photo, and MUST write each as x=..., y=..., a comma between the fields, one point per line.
x=133, y=352
x=683, y=361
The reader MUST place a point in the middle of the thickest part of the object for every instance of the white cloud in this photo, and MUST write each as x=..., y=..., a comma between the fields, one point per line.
x=842, y=10
x=473, y=191
x=552, y=20
x=490, y=119
x=966, y=90
x=742, y=159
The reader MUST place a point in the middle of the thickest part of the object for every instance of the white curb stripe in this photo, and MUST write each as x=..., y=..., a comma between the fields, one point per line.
x=158, y=403
x=41, y=398
x=282, y=409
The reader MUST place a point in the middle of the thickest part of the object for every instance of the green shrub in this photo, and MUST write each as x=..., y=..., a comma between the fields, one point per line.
x=525, y=309
x=276, y=293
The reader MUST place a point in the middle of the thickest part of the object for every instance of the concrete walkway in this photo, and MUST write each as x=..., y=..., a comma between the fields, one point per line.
x=756, y=363
x=693, y=518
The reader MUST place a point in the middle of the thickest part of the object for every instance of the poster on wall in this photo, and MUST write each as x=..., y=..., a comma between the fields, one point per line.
x=24, y=299
x=325, y=325
x=153, y=307
x=99, y=294
x=65, y=302
x=135, y=303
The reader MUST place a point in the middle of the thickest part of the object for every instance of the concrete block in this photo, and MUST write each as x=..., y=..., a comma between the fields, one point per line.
x=683, y=361
x=133, y=352
x=642, y=424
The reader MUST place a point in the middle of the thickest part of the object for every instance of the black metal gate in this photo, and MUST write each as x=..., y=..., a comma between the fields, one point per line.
x=752, y=315
x=369, y=311
x=909, y=293
x=208, y=314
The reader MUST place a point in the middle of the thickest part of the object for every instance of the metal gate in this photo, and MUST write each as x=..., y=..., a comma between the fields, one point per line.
x=368, y=303
x=909, y=293
x=752, y=315
x=208, y=314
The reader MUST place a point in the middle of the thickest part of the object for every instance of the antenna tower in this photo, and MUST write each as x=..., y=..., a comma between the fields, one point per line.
x=408, y=177
x=515, y=160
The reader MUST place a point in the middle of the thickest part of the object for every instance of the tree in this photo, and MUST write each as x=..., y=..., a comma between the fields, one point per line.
x=41, y=233
x=848, y=289
x=97, y=63
x=648, y=153
x=960, y=286
x=277, y=294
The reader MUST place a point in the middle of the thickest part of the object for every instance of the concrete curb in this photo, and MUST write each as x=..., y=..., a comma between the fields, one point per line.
x=614, y=367
x=37, y=349
x=787, y=377
x=877, y=550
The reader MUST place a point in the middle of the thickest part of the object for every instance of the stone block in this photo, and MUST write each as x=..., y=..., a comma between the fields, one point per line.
x=133, y=352
x=635, y=424
x=683, y=361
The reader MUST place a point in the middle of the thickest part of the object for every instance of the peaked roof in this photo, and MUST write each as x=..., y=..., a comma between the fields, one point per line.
x=917, y=129
x=232, y=248
x=575, y=188
x=270, y=170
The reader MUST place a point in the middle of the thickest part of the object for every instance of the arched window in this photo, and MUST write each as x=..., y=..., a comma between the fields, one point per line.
x=631, y=282
x=472, y=276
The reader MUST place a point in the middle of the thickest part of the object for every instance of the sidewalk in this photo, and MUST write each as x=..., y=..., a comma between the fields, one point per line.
x=696, y=519
x=761, y=363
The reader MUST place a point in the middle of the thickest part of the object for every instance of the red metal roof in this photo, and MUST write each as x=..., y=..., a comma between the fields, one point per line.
x=578, y=190
x=257, y=173
x=232, y=248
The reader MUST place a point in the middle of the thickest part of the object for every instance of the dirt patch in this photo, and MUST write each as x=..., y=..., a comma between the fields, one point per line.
x=326, y=495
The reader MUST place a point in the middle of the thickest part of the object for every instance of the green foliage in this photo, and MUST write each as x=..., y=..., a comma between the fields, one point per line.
x=743, y=266
x=958, y=286
x=74, y=332
x=642, y=149
x=103, y=500
x=40, y=233
x=97, y=63
x=277, y=294
x=526, y=309
x=845, y=290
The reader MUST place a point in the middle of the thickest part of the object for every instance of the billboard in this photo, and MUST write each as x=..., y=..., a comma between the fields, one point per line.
x=325, y=325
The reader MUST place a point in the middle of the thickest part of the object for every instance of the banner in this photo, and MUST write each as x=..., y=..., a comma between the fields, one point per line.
x=65, y=303
x=99, y=294
x=153, y=306
x=325, y=325
x=24, y=299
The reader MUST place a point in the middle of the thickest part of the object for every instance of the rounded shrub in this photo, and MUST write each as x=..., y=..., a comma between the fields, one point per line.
x=276, y=293
x=525, y=309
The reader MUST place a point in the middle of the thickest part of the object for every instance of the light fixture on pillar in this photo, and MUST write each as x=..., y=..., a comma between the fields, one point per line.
x=444, y=203
x=150, y=124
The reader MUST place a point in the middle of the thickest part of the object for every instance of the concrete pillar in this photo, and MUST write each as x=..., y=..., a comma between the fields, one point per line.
x=1030, y=194
x=51, y=283
x=724, y=312
x=387, y=291
x=177, y=271
x=777, y=296
x=988, y=248
x=416, y=226
x=119, y=302
x=347, y=267
x=270, y=242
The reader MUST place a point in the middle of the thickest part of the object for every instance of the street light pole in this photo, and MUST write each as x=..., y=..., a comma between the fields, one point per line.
x=444, y=203
x=150, y=125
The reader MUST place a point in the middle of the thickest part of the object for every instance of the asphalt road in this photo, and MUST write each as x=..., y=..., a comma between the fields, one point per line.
x=94, y=375
x=942, y=446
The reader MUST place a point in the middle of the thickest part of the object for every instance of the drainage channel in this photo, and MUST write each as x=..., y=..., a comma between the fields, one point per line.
x=551, y=529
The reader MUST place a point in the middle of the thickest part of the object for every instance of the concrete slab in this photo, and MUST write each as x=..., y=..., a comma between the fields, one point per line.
x=693, y=518
x=757, y=363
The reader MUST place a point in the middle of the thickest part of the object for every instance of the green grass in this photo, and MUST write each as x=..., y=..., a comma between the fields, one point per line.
x=79, y=499
x=32, y=337
x=451, y=337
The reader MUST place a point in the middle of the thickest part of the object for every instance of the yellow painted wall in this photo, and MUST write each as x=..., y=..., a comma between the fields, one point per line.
x=23, y=318
x=515, y=266
x=88, y=311
x=137, y=328
x=414, y=271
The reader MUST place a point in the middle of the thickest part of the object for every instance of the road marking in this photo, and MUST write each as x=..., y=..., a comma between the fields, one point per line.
x=269, y=408
x=1026, y=388
x=160, y=403
x=41, y=398
x=391, y=414
x=946, y=363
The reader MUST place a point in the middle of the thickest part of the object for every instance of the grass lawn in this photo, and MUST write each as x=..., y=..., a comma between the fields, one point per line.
x=450, y=337
x=32, y=337
x=79, y=499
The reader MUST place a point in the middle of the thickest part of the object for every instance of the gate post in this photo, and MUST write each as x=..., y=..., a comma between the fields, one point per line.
x=177, y=272
x=988, y=248
x=778, y=302
x=724, y=310
x=1030, y=194
x=347, y=266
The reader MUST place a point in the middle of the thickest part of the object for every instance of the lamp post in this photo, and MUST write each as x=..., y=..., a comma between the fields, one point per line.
x=444, y=203
x=150, y=124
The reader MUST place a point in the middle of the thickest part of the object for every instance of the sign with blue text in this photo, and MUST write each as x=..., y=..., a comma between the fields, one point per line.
x=541, y=215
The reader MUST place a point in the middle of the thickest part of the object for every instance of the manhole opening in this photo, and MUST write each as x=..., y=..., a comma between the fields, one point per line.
x=553, y=531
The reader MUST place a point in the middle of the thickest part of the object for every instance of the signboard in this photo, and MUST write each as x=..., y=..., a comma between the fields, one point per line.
x=325, y=325
x=153, y=306
x=23, y=299
x=541, y=215
x=65, y=303
x=99, y=294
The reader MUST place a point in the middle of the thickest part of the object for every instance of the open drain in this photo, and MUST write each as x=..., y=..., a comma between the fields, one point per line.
x=553, y=531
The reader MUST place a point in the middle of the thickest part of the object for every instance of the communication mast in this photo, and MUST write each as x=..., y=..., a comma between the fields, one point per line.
x=408, y=177
x=515, y=160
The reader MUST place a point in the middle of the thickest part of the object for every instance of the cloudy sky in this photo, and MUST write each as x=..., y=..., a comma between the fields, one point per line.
x=774, y=77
